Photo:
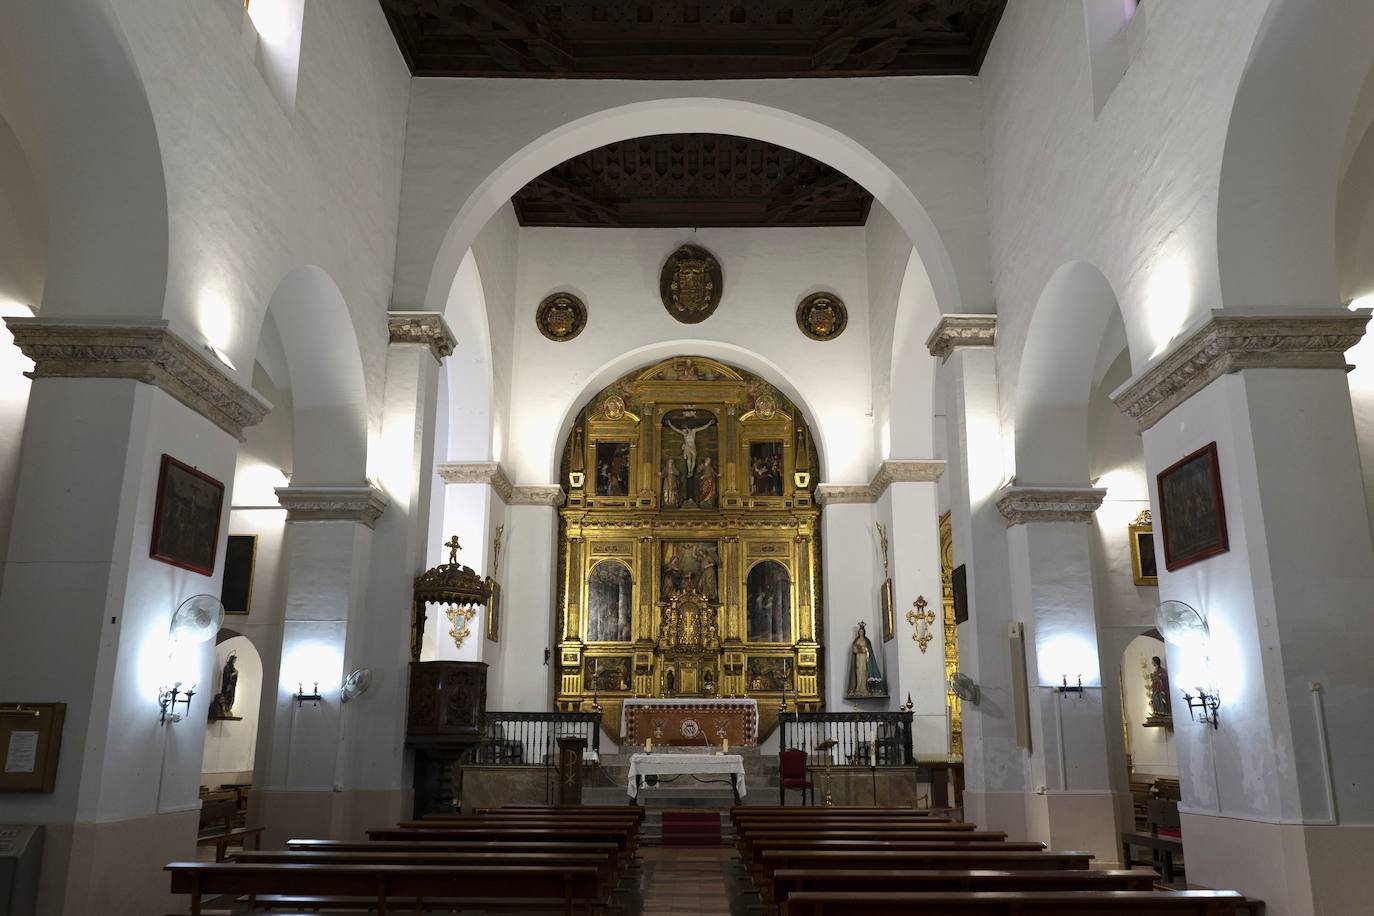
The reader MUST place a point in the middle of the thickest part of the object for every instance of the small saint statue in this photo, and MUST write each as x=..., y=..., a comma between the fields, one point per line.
x=1157, y=680
x=453, y=548
x=222, y=706
x=865, y=671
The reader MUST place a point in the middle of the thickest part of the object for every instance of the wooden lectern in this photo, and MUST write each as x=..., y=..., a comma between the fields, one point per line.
x=570, y=750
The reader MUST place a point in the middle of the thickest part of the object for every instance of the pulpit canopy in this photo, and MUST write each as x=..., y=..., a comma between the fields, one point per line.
x=452, y=585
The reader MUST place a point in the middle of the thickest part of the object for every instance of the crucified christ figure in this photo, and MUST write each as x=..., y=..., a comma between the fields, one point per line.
x=689, y=441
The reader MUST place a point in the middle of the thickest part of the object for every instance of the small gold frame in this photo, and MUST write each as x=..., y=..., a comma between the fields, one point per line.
x=1144, y=566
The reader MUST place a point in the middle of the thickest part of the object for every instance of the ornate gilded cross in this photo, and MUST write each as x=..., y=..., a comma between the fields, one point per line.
x=882, y=537
x=496, y=550
x=921, y=619
x=453, y=548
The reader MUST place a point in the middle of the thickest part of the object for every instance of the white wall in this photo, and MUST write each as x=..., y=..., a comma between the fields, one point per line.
x=766, y=273
x=14, y=402
x=229, y=745
x=1152, y=749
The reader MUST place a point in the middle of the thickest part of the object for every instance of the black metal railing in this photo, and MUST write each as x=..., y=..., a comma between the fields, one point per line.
x=856, y=735
x=531, y=738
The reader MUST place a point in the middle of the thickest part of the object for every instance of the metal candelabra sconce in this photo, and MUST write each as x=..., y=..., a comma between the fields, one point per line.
x=1066, y=687
x=922, y=619
x=167, y=701
x=1207, y=701
x=302, y=697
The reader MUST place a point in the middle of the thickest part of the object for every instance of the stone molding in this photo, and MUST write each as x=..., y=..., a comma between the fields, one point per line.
x=1230, y=340
x=1021, y=505
x=363, y=504
x=955, y=332
x=493, y=475
x=142, y=350
x=889, y=472
x=424, y=328
x=537, y=496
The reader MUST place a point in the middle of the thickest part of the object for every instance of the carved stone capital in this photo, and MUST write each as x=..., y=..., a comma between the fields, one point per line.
x=143, y=350
x=424, y=328
x=536, y=496
x=363, y=504
x=480, y=472
x=955, y=332
x=1021, y=505
x=1230, y=340
x=889, y=472
x=494, y=476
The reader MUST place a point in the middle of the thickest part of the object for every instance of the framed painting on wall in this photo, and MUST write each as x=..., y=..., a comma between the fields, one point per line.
x=186, y=517
x=240, y=557
x=959, y=585
x=1191, y=509
x=1144, y=567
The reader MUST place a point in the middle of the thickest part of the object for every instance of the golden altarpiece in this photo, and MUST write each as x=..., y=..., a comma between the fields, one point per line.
x=689, y=558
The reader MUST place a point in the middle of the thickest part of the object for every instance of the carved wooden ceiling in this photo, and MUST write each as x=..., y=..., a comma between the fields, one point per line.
x=692, y=39
x=675, y=180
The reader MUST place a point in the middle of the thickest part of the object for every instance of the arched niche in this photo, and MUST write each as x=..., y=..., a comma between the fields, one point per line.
x=610, y=602
x=231, y=737
x=768, y=603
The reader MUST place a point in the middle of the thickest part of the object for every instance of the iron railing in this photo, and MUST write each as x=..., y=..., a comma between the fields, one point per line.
x=854, y=733
x=531, y=738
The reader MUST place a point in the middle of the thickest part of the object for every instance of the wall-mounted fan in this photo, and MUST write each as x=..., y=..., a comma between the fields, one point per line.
x=1182, y=625
x=964, y=687
x=198, y=619
x=355, y=685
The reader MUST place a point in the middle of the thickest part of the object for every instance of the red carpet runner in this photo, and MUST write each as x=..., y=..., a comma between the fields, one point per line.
x=691, y=828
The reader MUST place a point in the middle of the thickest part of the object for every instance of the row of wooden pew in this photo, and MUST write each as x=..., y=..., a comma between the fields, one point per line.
x=521, y=860
x=887, y=861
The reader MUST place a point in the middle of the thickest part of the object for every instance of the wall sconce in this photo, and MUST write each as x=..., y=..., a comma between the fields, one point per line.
x=1207, y=701
x=1065, y=687
x=168, y=699
x=302, y=697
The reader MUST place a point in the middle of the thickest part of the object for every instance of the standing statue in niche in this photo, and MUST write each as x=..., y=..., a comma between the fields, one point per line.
x=688, y=427
x=865, y=670
x=222, y=706
x=1157, y=681
x=672, y=484
x=706, y=484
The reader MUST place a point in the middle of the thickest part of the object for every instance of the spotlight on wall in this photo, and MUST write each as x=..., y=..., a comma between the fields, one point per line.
x=1065, y=687
x=168, y=699
x=313, y=697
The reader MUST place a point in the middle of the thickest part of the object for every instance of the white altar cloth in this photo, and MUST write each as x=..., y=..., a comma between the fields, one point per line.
x=675, y=764
x=748, y=703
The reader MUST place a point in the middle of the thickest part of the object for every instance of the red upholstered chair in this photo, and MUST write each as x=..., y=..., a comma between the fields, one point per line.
x=793, y=775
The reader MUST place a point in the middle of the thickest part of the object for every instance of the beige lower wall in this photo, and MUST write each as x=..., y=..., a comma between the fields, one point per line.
x=895, y=787
x=1297, y=870
x=493, y=786
x=1077, y=821
x=114, y=868
x=1005, y=811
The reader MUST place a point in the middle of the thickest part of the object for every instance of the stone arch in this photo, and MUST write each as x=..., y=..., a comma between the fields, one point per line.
x=1055, y=380
x=1288, y=138
x=328, y=390
x=911, y=431
x=76, y=104
x=694, y=115
x=468, y=373
x=551, y=437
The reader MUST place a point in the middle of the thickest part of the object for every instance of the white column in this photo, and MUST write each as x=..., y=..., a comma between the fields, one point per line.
x=85, y=612
x=994, y=765
x=327, y=547
x=1071, y=804
x=1278, y=801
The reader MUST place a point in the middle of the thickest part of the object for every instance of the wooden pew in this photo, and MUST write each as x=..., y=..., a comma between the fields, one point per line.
x=1029, y=903
x=571, y=888
x=623, y=839
x=632, y=810
x=787, y=882
x=772, y=860
x=753, y=855
x=220, y=824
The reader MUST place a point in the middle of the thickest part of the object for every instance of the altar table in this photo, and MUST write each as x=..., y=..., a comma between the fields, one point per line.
x=690, y=721
x=677, y=764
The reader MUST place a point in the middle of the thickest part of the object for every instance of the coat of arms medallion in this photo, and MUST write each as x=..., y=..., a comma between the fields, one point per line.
x=822, y=316
x=561, y=316
x=691, y=284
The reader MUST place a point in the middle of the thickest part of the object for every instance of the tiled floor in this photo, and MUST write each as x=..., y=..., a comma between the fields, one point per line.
x=682, y=881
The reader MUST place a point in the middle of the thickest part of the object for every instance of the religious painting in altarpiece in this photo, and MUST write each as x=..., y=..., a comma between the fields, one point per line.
x=689, y=547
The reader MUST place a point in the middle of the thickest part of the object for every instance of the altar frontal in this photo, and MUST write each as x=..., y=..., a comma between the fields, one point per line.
x=693, y=723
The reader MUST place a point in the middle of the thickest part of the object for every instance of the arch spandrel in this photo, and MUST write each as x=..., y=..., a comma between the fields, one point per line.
x=690, y=472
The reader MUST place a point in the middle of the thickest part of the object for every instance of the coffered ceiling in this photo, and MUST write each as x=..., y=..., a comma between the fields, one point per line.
x=692, y=39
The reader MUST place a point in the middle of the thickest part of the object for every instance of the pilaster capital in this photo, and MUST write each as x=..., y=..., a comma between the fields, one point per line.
x=894, y=470
x=1022, y=505
x=955, y=332
x=1229, y=340
x=144, y=350
x=480, y=472
x=493, y=475
x=362, y=504
x=424, y=328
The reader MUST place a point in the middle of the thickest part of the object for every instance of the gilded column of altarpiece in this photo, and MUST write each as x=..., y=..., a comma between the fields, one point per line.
x=689, y=550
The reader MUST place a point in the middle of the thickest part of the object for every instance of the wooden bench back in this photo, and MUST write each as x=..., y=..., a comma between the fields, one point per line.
x=1136, y=903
